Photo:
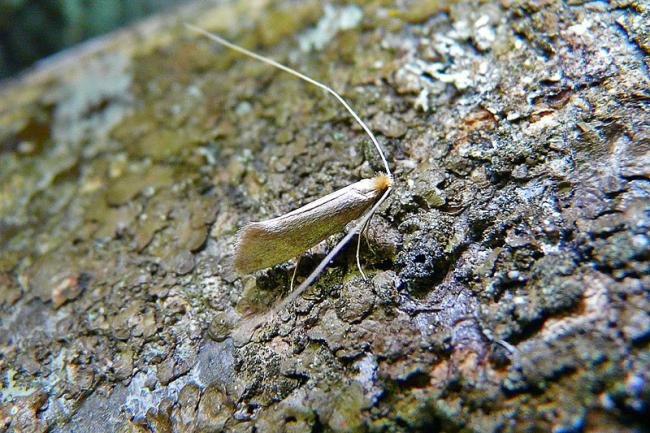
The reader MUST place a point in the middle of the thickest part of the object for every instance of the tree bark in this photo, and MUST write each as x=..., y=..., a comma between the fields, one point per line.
x=508, y=275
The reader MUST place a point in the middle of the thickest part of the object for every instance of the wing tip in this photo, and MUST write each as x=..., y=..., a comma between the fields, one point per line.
x=246, y=248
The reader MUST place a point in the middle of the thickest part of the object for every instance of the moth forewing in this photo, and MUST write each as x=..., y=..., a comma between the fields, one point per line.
x=267, y=243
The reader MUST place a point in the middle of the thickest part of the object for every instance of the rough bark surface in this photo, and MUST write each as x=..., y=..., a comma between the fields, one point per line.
x=508, y=274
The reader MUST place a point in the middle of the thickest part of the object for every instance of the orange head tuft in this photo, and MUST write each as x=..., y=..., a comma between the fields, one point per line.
x=383, y=182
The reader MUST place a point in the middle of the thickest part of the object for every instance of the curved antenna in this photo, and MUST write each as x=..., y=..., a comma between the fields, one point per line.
x=328, y=89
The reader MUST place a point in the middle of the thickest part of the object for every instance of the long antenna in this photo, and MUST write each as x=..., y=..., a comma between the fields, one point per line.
x=253, y=324
x=272, y=62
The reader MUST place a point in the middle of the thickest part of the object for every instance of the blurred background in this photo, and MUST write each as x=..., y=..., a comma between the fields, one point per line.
x=33, y=29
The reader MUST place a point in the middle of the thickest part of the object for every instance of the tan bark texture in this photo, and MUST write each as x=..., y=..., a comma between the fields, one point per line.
x=508, y=272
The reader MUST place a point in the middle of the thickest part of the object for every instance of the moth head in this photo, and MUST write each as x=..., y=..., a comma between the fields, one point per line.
x=382, y=182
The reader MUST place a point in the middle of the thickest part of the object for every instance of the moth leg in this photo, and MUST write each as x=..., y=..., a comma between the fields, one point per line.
x=361, y=232
x=295, y=271
x=365, y=236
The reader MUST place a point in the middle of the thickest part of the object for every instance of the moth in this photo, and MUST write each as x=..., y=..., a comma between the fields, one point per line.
x=266, y=243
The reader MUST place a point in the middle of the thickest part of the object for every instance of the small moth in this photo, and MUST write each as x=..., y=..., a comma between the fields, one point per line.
x=267, y=243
